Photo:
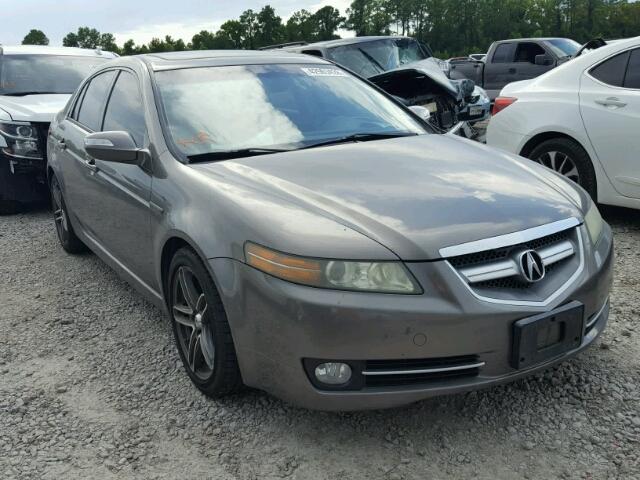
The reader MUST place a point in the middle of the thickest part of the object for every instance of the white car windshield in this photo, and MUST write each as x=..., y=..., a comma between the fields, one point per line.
x=230, y=108
x=377, y=56
x=40, y=74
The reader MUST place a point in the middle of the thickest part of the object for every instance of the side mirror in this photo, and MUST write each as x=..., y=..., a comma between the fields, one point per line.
x=116, y=147
x=543, y=60
x=421, y=112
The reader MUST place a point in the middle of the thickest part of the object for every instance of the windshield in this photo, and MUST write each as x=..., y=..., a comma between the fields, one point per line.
x=33, y=74
x=223, y=109
x=378, y=56
x=564, y=47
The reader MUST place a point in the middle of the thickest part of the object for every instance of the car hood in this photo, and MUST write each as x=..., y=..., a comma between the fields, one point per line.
x=33, y=108
x=414, y=195
x=428, y=67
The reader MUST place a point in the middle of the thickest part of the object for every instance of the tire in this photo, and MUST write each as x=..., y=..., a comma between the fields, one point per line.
x=568, y=158
x=66, y=235
x=203, y=340
x=9, y=207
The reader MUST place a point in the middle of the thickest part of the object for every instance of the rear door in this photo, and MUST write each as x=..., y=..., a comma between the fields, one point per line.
x=500, y=69
x=610, y=108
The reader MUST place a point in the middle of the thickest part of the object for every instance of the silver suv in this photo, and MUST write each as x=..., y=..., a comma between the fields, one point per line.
x=35, y=84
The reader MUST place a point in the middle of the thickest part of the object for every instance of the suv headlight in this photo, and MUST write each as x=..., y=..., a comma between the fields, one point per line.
x=594, y=222
x=381, y=277
x=20, y=140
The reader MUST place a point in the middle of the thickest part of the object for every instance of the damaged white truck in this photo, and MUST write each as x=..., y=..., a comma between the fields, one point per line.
x=35, y=83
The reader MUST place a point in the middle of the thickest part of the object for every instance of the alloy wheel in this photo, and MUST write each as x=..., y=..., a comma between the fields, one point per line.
x=561, y=163
x=59, y=213
x=195, y=335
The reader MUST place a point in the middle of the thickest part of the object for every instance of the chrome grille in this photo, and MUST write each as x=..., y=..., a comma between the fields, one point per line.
x=497, y=269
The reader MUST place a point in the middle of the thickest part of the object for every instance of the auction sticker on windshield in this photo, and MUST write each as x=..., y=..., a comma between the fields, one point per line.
x=324, y=72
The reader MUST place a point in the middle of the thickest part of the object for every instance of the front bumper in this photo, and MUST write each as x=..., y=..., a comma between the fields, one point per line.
x=276, y=325
x=22, y=181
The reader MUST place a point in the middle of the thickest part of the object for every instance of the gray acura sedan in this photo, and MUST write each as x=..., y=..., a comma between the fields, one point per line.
x=310, y=236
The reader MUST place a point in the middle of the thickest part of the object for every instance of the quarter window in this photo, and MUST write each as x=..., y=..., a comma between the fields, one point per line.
x=611, y=71
x=92, y=108
x=125, y=110
x=632, y=79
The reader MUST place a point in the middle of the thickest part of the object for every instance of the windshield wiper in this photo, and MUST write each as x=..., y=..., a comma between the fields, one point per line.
x=360, y=137
x=372, y=60
x=229, y=154
x=24, y=94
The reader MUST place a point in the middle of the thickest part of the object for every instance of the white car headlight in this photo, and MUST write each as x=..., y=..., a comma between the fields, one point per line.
x=594, y=222
x=20, y=140
x=381, y=277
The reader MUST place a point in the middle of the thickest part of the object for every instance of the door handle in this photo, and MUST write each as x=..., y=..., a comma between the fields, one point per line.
x=512, y=70
x=91, y=165
x=62, y=144
x=611, y=102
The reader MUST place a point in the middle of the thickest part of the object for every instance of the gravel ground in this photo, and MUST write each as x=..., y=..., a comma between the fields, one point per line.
x=91, y=387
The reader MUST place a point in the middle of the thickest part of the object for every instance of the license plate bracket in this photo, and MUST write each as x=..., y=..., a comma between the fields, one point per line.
x=548, y=335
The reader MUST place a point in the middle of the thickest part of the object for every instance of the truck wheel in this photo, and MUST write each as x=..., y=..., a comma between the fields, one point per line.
x=200, y=327
x=568, y=158
x=9, y=207
x=68, y=239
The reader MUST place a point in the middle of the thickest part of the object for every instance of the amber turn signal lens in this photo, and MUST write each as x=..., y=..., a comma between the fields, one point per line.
x=286, y=267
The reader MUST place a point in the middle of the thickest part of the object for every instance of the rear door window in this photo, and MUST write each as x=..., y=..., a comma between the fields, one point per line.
x=503, y=53
x=92, y=108
x=612, y=70
x=632, y=78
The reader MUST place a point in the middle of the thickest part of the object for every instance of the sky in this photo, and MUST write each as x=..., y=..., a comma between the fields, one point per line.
x=137, y=19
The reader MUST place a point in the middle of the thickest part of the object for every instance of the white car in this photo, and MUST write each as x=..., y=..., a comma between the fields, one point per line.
x=36, y=82
x=580, y=119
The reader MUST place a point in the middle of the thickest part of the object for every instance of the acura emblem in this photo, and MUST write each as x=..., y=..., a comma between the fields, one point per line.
x=531, y=266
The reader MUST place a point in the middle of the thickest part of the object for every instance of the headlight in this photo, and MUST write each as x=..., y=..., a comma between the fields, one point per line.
x=383, y=277
x=594, y=222
x=20, y=140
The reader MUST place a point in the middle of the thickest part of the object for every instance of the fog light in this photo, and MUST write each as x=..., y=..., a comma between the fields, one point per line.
x=333, y=373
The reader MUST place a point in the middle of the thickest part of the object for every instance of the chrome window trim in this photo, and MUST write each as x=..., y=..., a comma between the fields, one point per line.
x=424, y=370
x=530, y=303
x=509, y=239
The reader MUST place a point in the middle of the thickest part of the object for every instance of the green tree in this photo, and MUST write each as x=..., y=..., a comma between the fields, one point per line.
x=249, y=23
x=300, y=27
x=270, y=29
x=204, y=40
x=327, y=20
x=35, y=37
x=85, y=38
x=232, y=34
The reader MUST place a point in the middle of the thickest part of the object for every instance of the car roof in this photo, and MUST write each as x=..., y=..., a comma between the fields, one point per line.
x=202, y=58
x=347, y=41
x=533, y=39
x=58, y=51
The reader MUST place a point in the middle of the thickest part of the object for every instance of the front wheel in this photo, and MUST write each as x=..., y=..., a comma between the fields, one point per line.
x=200, y=327
x=568, y=158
